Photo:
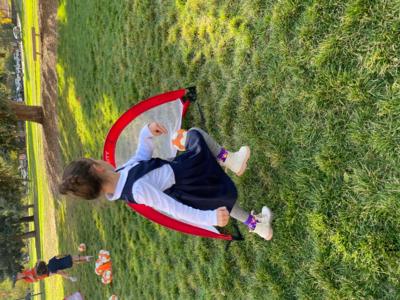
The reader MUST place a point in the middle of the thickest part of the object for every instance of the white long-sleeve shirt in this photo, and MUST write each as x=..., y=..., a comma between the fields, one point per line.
x=149, y=189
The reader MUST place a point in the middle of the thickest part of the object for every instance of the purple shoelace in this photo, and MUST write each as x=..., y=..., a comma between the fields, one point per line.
x=251, y=222
x=223, y=154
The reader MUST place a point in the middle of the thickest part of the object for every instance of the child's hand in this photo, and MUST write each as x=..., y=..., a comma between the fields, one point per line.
x=222, y=216
x=73, y=279
x=157, y=129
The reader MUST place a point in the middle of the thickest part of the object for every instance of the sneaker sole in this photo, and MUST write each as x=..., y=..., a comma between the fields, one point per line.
x=244, y=165
x=270, y=237
x=270, y=216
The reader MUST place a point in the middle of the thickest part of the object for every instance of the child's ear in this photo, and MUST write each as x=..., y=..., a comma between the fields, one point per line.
x=98, y=168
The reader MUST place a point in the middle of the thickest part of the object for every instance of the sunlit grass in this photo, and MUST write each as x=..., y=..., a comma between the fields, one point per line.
x=61, y=13
x=311, y=86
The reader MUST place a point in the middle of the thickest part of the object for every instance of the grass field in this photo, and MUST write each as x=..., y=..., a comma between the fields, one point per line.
x=312, y=86
x=39, y=190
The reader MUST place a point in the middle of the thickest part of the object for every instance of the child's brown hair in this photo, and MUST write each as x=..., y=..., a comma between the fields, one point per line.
x=81, y=180
x=41, y=268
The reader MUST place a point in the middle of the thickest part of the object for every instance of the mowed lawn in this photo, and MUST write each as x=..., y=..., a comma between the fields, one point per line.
x=313, y=87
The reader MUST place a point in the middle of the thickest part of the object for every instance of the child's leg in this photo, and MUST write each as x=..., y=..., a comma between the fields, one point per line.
x=239, y=213
x=78, y=259
x=260, y=224
x=235, y=161
x=214, y=147
x=248, y=219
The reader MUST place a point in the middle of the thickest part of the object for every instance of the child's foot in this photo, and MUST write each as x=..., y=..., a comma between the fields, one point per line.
x=237, y=161
x=179, y=139
x=264, y=227
x=88, y=258
x=266, y=215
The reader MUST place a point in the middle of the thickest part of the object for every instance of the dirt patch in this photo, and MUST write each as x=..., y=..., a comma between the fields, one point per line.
x=48, y=243
x=48, y=39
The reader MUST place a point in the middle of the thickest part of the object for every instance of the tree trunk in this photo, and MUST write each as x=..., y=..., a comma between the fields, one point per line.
x=28, y=235
x=27, y=219
x=26, y=112
x=28, y=206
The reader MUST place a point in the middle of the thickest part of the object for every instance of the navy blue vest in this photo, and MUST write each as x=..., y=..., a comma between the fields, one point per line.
x=55, y=264
x=200, y=182
x=136, y=173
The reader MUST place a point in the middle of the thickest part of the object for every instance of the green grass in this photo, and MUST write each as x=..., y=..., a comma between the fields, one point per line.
x=312, y=87
x=39, y=189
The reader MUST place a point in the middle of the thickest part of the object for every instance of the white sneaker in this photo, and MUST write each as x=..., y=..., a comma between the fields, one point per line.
x=264, y=227
x=237, y=161
x=265, y=216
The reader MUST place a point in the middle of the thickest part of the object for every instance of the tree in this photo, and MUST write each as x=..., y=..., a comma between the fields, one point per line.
x=28, y=235
x=11, y=110
x=11, y=244
x=28, y=206
x=6, y=34
x=27, y=219
x=8, y=123
x=12, y=216
x=24, y=112
x=11, y=229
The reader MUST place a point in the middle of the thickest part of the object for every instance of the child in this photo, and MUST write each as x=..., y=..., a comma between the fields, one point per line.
x=28, y=275
x=56, y=265
x=192, y=187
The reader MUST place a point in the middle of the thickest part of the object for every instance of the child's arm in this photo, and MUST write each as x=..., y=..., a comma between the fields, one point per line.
x=145, y=147
x=27, y=275
x=145, y=193
x=27, y=278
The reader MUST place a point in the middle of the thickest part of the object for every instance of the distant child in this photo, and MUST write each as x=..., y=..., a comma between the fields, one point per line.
x=192, y=187
x=28, y=275
x=56, y=265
